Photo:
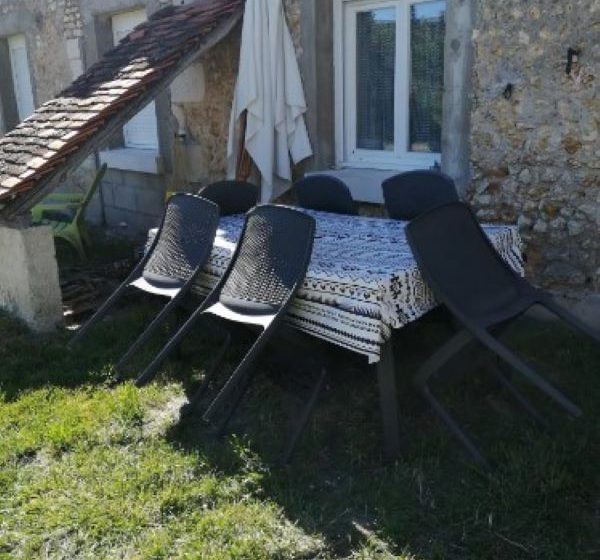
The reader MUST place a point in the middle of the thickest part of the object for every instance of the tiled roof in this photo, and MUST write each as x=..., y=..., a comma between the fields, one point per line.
x=62, y=132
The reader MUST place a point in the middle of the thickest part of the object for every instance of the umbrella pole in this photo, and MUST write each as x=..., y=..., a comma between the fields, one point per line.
x=244, y=162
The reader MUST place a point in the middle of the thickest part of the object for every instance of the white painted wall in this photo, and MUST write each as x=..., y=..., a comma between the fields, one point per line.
x=29, y=287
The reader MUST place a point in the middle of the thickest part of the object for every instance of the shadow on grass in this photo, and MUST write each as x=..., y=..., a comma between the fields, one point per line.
x=540, y=502
x=31, y=360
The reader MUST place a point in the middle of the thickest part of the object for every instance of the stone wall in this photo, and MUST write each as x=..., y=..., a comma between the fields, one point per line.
x=63, y=39
x=536, y=149
x=207, y=121
x=43, y=22
x=53, y=31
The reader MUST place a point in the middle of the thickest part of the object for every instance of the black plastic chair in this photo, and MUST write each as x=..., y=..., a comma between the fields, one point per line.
x=232, y=197
x=266, y=270
x=484, y=294
x=412, y=193
x=179, y=251
x=325, y=193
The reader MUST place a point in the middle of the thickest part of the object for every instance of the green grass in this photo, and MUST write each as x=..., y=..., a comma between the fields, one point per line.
x=88, y=470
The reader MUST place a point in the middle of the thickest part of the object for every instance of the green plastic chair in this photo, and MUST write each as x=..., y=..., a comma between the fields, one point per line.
x=65, y=214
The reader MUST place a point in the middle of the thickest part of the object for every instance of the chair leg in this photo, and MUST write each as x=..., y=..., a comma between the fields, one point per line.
x=388, y=402
x=527, y=372
x=569, y=318
x=306, y=414
x=432, y=366
x=158, y=320
x=518, y=396
x=150, y=372
x=242, y=372
x=84, y=234
x=100, y=314
x=238, y=394
x=447, y=351
x=454, y=427
x=74, y=240
x=191, y=405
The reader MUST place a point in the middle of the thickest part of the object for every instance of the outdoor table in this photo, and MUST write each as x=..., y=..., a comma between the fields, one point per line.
x=362, y=283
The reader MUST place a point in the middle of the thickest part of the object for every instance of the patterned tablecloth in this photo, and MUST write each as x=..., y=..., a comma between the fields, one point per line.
x=362, y=280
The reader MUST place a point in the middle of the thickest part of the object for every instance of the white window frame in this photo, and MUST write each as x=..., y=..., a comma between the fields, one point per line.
x=150, y=141
x=23, y=90
x=347, y=153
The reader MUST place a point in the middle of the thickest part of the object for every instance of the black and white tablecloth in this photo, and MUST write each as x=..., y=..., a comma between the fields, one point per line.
x=362, y=280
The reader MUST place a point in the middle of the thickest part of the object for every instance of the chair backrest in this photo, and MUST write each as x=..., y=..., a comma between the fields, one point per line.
x=461, y=265
x=80, y=214
x=270, y=261
x=184, y=240
x=409, y=194
x=325, y=193
x=232, y=197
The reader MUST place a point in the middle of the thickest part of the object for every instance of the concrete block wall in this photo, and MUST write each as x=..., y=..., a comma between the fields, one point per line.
x=133, y=202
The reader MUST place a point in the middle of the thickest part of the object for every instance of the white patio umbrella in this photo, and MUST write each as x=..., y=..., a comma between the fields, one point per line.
x=269, y=105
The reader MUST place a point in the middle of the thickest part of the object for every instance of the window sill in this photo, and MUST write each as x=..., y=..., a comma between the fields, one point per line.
x=411, y=161
x=133, y=159
x=365, y=182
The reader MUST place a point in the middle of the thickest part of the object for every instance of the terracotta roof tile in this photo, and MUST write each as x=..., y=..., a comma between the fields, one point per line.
x=124, y=76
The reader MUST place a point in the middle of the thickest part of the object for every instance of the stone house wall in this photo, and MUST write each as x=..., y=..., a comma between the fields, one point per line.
x=44, y=23
x=53, y=33
x=536, y=153
x=207, y=121
x=534, y=156
x=61, y=43
x=66, y=36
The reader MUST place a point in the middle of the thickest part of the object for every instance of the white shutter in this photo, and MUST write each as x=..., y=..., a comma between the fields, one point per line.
x=21, y=76
x=141, y=131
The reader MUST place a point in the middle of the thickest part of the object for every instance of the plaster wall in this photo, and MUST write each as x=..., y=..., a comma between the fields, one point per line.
x=29, y=287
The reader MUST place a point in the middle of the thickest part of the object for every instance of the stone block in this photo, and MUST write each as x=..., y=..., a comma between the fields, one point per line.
x=29, y=286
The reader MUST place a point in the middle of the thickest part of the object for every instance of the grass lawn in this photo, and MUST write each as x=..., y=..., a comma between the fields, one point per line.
x=93, y=471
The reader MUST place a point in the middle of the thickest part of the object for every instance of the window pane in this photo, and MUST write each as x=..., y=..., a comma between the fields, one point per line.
x=427, y=76
x=375, y=69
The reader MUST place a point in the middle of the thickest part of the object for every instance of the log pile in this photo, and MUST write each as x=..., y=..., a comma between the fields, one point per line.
x=84, y=289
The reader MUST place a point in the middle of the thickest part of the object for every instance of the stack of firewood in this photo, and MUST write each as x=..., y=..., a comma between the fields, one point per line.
x=84, y=289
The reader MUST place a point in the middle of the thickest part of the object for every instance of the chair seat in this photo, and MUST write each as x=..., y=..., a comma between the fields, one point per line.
x=57, y=226
x=258, y=315
x=62, y=215
x=506, y=310
x=159, y=285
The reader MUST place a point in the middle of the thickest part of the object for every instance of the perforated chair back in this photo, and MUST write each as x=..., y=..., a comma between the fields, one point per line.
x=183, y=242
x=270, y=261
x=325, y=193
x=462, y=267
x=232, y=197
x=409, y=194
